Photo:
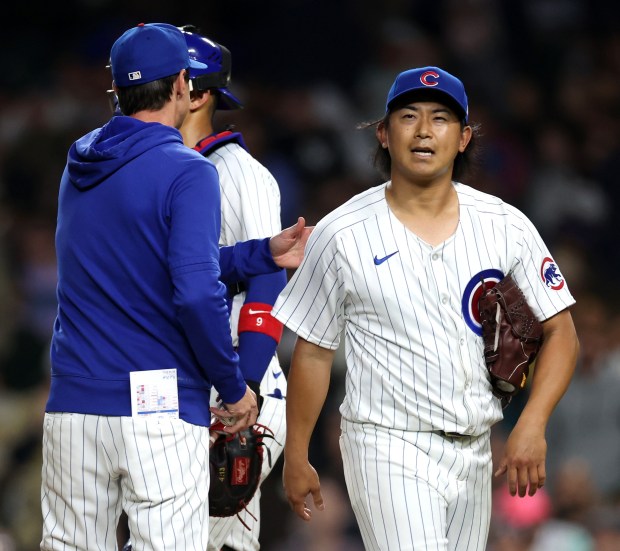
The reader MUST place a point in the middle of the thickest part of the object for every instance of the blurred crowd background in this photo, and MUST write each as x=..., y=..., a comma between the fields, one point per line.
x=543, y=78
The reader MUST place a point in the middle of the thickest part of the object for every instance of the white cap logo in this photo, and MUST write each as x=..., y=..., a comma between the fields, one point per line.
x=136, y=75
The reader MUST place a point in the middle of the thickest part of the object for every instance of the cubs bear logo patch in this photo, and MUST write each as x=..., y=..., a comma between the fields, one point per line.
x=550, y=274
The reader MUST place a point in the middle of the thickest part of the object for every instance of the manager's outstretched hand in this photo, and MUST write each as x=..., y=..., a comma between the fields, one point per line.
x=287, y=247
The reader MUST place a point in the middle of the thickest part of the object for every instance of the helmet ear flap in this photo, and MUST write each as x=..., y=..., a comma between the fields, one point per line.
x=226, y=63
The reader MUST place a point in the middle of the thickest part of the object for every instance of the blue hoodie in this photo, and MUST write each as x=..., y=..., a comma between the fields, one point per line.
x=139, y=273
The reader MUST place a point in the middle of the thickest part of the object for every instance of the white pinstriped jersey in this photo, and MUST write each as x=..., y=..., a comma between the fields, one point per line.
x=250, y=209
x=250, y=203
x=412, y=340
x=250, y=196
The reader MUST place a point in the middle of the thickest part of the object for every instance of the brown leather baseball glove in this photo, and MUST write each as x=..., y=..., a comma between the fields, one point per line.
x=512, y=337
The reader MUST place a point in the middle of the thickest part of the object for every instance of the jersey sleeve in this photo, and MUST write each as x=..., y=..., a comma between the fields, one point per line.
x=536, y=271
x=312, y=303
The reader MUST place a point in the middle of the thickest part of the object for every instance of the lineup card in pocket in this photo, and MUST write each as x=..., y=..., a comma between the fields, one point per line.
x=154, y=393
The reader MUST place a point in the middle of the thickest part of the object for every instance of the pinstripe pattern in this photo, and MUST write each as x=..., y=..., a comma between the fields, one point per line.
x=250, y=203
x=415, y=366
x=250, y=210
x=250, y=196
x=417, y=490
x=430, y=376
x=156, y=470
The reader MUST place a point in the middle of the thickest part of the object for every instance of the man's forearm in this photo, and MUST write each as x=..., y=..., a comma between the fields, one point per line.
x=308, y=383
x=553, y=369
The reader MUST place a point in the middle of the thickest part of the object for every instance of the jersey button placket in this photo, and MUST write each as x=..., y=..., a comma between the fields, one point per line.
x=443, y=297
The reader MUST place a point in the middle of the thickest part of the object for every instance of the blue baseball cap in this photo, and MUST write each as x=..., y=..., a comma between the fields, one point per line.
x=430, y=78
x=149, y=52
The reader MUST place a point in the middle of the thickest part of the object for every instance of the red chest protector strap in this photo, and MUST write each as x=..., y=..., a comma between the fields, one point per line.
x=215, y=141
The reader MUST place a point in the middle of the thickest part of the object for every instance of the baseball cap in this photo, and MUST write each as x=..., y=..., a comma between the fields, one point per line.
x=430, y=78
x=148, y=52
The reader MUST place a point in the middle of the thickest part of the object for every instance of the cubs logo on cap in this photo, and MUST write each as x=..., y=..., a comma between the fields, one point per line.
x=430, y=78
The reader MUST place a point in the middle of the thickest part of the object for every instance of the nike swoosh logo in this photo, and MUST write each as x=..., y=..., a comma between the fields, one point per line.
x=276, y=375
x=382, y=260
x=252, y=312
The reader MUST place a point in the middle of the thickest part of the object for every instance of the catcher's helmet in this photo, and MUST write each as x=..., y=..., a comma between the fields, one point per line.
x=217, y=74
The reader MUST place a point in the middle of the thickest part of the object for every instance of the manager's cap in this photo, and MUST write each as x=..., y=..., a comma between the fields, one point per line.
x=430, y=78
x=149, y=52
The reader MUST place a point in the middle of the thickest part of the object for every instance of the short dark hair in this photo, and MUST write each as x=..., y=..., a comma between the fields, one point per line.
x=151, y=96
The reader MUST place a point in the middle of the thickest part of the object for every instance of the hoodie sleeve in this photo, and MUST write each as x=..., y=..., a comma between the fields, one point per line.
x=199, y=296
x=246, y=259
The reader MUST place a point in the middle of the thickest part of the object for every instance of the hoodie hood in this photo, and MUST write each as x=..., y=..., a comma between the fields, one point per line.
x=100, y=153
